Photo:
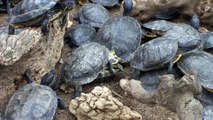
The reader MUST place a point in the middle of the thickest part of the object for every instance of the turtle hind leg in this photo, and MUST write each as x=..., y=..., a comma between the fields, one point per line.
x=135, y=74
x=11, y=30
x=28, y=76
x=61, y=103
x=78, y=90
x=195, y=22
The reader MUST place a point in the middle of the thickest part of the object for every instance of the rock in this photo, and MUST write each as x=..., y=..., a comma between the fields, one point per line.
x=99, y=104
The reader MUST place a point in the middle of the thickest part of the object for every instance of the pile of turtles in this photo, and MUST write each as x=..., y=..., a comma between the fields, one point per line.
x=104, y=45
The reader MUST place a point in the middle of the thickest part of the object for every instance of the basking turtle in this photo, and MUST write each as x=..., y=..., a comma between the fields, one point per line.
x=107, y=3
x=39, y=12
x=122, y=34
x=150, y=80
x=166, y=14
x=206, y=98
x=34, y=101
x=79, y=34
x=186, y=35
x=154, y=54
x=207, y=38
x=92, y=14
x=202, y=63
x=85, y=63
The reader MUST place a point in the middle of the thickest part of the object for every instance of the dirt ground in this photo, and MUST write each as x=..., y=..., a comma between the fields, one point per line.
x=148, y=112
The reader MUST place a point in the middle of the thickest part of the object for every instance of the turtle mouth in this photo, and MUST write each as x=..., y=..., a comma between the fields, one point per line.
x=127, y=5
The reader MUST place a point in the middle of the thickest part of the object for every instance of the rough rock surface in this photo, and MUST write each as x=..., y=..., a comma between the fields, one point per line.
x=101, y=105
x=178, y=96
x=41, y=57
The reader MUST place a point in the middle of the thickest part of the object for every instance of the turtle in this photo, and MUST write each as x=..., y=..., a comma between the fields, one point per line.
x=166, y=14
x=80, y=34
x=110, y=34
x=39, y=12
x=196, y=60
x=207, y=38
x=186, y=35
x=107, y=3
x=34, y=101
x=85, y=63
x=92, y=14
x=150, y=79
x=154, y=54
x=4, y=30
x=206, y=99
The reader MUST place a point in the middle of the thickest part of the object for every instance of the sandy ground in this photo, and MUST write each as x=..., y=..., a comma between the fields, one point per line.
x=148, y=112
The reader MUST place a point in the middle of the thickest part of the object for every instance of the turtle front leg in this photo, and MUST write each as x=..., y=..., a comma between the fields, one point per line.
x=195, y=22
x=61, y=103
x=45, y=23
x=135, y=74
x=11, y=30
x=28, y=76
x=78, y=90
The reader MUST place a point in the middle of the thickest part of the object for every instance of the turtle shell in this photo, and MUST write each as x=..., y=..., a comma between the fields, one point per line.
x=208, y=39
x=160, y=25
x=32, y=102
x=185, y=35
x=93, y=14
x=154, y=54
x=27, y=10
x=122, y=34
x=202, y=63
x=80, y=34
x=166, y=14
x=106, y=3
x=206, y=98
x=84, y=64
x=150, y=79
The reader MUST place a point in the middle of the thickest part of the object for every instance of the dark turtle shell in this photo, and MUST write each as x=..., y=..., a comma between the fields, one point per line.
x=206, y=98
x=202, y=63
x=122, y=34
x=80, y=34
x=160, y=25
x=166, y=14
x=150, y=79
x=154, y=54
x=93, y=14
x=30, y=9
x=207, y=39
x=187, y=37
x=106, y=3
x=84, y=64
x=32, y=102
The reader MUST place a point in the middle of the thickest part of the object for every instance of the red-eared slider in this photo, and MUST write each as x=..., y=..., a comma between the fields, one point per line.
x=154, y=54
x=150, y=80
x=187, y=36
x=206, y=98
x=166, y=14
x=122, y=34
x=202, y=63
x=159, y=25
x=85, y=63
x=34, y=101
x=207, y=39
x=79, y=34
x=107, y=3
x=36, y=12
x=92, y=14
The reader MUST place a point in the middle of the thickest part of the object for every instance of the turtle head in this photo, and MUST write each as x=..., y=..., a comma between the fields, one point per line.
x=127, y=5
x=115, y=62
x=69, y=4
x=51, y=79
